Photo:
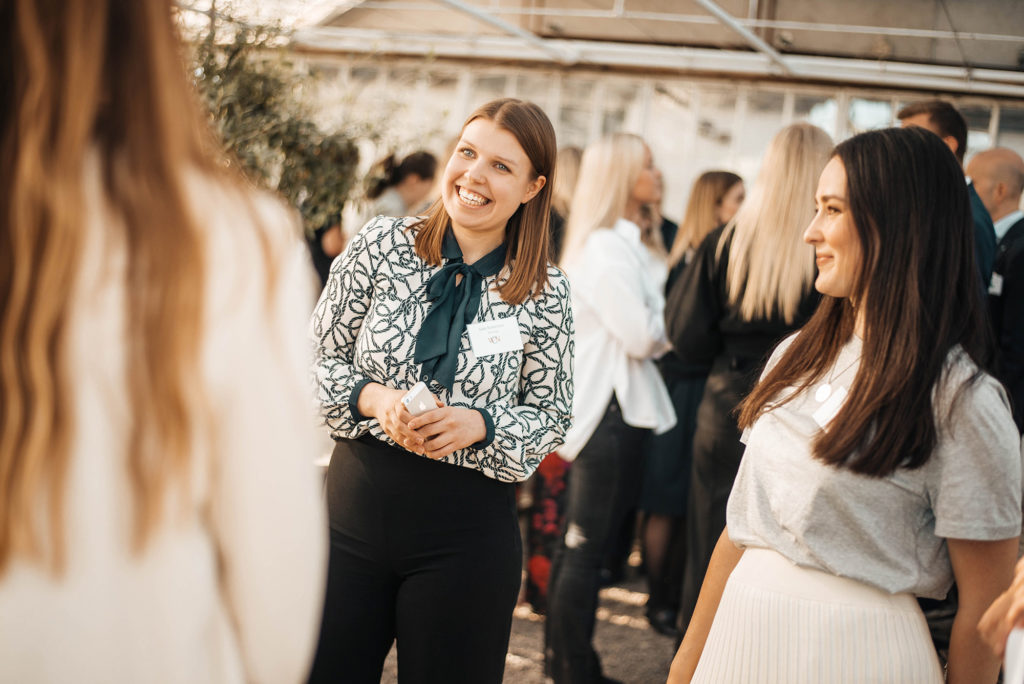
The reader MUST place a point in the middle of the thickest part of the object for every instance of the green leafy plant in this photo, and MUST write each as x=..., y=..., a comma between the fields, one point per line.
x=255, y=96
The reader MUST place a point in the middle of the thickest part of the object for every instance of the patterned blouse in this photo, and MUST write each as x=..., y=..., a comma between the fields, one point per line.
x=365, y=328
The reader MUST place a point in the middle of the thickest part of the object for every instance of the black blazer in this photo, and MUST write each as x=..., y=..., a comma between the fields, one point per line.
x=1006, y=308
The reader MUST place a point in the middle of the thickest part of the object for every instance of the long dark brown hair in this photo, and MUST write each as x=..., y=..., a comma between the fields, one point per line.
x=526, y=232
x=919, y=293
x=96, y=79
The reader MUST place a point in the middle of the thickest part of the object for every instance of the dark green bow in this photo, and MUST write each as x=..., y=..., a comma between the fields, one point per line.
x=454, y=307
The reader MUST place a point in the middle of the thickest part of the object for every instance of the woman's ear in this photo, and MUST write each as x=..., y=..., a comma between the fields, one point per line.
x=533, y=188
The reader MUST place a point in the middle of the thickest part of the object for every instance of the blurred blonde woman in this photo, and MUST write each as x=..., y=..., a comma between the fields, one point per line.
x=567, y=171
x=160, y=520
x=714, y=200
x=750, y=283
x=616, y=267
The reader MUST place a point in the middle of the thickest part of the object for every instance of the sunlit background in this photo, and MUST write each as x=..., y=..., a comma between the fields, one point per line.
x=705, y=83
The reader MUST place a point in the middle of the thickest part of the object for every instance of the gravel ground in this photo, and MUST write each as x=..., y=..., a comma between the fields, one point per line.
x=630, y=650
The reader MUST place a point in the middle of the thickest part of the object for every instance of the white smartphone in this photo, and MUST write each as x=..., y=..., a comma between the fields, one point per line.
x=419, y=400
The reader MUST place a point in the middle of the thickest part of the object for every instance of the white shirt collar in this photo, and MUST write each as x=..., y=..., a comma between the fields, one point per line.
x=1004, y=224
x=628, y=230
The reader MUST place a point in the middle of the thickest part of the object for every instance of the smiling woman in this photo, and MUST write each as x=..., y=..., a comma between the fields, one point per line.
x=424, y=536
x=882, y=461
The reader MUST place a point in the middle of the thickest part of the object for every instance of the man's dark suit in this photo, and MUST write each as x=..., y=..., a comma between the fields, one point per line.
x=1006, y=307
x=984, y=237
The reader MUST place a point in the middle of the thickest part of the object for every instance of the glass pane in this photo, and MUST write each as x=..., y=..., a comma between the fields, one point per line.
x=714, y=129
x=364, y=74
x=486, y=87
x=443, y=81
x=978, y=118
x=869, y=115
x=536, y=89
x=670, y=124
x=620, y=100
x=816, y=109
x=574, y=118
x=327, y=71
x=403, y=77
x=1011, y=128
x=763, y=120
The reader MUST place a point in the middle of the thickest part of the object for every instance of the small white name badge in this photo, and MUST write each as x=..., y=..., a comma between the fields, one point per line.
x=494, y=337
x=995, y=287
x=829, y=407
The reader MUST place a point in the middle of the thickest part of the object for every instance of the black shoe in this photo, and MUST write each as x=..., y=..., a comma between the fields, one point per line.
x=664, y=622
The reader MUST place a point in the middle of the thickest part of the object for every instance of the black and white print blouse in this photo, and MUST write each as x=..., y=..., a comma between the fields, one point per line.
x=365, y=328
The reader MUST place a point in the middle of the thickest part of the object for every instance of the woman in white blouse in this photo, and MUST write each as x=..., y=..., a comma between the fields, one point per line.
x=425, y=544
x=616, y=265
x=160, y=520
x=882, y=462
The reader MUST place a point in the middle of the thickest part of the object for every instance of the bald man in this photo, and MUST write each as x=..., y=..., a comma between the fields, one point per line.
x=998, y=176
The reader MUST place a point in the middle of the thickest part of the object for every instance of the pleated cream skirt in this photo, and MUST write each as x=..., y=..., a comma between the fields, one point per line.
x=779, y=623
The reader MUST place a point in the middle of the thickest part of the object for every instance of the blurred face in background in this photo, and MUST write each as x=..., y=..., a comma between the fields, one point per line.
x=648, y=185
x=730, y=203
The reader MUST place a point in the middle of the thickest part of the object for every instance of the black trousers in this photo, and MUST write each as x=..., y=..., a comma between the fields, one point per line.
x=424, y=552
x=604, y=485
x=717, y=452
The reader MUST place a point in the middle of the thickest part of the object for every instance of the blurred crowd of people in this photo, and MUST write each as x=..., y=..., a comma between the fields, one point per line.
x=805, y=399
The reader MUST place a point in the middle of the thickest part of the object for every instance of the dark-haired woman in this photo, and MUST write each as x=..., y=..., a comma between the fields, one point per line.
x=425, y=541
x=882, y=462
x=402, y=188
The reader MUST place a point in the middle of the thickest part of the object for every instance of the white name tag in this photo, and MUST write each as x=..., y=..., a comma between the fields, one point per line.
x=995, y=287
x=829, y=408
x=494, y=337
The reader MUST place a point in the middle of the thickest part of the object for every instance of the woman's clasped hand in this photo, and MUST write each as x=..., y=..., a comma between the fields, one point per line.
x=434, y=434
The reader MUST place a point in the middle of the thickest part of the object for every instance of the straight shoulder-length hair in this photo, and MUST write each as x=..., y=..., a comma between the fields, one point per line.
x=770, y=268
x=918, y=291
x=701, y=215
x=526, y=233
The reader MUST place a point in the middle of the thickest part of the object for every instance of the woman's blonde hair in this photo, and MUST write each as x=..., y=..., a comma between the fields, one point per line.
x=609, y=170
x=567, y=171
x=770, y=266
x=101, y=78
x=701, y=211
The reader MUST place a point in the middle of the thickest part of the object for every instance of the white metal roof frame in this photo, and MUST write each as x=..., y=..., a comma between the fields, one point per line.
x=524, y=46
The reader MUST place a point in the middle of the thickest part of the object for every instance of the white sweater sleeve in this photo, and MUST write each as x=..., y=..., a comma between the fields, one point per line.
x=266, y=508
x=610, y=282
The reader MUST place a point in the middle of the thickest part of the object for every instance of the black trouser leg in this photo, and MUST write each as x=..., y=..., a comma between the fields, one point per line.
x=359, y=592
x=603, y=487
x=424, y=552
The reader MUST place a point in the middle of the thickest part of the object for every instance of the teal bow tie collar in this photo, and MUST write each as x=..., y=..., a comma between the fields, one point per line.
x=454, y=306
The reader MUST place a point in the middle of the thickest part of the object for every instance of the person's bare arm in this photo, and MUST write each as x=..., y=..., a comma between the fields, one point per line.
x=724, y=558
x=1005, y=613
x=983, y=569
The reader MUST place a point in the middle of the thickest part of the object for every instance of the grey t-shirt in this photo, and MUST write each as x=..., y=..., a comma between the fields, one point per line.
x=888, y=532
